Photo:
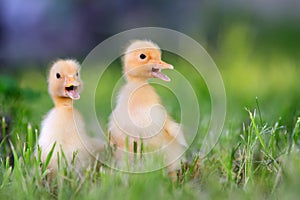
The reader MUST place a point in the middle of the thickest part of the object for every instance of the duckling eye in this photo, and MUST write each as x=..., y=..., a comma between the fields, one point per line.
x=142, y=56
x=58, y=75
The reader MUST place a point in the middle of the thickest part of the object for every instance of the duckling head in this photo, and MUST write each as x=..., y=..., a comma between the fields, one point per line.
x=64, y=80
x=142, y=60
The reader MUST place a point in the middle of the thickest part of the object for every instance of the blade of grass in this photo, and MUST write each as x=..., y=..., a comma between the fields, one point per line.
x=135, y=147
x=259, y=112
x=295, y=135
x=257, y=131
x=48, y=158
x=18, y=169
x=30, y=138
x=142, y=148
x=3, y=142
x=6, y=177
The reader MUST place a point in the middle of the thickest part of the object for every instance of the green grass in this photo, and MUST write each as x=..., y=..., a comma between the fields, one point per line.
x=257, y=156
x=262, y=162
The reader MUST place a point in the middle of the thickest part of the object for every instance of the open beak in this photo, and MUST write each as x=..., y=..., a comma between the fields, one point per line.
x=72, y=88
x=156, y=70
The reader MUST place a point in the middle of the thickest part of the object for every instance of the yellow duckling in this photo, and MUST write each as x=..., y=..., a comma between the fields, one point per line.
x=139, y=114
x=63, y=124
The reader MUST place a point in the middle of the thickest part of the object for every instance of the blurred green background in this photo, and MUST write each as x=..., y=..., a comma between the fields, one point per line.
x=256, y=46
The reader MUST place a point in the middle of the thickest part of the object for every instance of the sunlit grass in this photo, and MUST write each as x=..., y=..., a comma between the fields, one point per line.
x=262, y=161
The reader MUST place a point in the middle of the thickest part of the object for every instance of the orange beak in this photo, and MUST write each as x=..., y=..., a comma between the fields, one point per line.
x=71, y=87
x=157, y=67
x=163, y=65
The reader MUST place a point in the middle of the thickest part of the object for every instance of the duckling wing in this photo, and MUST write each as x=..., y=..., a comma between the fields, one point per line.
x=174, y=130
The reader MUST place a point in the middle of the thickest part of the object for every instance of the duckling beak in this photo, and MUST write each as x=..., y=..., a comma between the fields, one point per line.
x=71, y=88
x=156, y=70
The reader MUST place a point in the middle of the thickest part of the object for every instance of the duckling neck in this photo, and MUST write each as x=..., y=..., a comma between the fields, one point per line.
x=137, y=80
x=63, y=102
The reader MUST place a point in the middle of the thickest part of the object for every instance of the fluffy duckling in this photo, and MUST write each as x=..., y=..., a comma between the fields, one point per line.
x=139, y=114
x=63, y=124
